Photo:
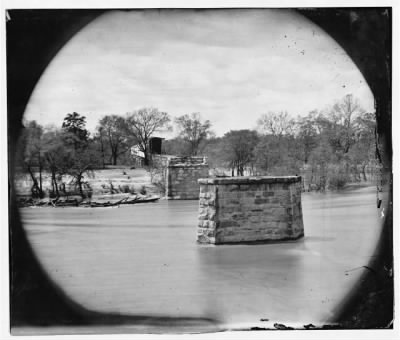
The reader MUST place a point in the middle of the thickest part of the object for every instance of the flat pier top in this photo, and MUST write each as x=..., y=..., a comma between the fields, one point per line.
x=187, y=161
x=250, y=180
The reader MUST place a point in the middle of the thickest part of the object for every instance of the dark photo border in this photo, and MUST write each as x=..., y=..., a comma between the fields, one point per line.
x=33, y=38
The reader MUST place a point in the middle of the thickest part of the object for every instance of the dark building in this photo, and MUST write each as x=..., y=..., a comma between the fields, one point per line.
x=155, y=144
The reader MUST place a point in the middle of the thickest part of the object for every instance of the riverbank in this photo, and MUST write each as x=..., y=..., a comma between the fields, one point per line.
x=77, y=201
x=102, y=183
x=117, y=180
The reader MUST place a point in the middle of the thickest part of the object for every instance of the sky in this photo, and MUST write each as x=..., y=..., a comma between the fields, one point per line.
x=231, y=66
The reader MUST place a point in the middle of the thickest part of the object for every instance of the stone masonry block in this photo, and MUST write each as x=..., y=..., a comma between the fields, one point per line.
x=247, y=209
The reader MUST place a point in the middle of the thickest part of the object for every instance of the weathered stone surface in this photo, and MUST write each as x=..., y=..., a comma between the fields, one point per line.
x=182, y=178
x=249, y=209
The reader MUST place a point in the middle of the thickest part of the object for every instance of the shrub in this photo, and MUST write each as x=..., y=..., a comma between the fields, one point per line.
x=112, y=189
x=337, y=180
x=125, y=189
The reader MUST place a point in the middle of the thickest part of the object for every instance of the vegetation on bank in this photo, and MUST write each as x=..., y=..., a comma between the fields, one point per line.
x=330, y=147
x=333, y=147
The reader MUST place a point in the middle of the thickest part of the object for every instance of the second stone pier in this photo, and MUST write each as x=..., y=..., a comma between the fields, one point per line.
x=249, y=209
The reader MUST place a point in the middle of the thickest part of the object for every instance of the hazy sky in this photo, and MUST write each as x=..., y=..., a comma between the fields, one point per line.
x=229, y=65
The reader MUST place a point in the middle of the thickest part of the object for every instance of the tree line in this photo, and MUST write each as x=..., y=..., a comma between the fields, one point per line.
x=334, y=146
x=335, y=143
x=71, y=149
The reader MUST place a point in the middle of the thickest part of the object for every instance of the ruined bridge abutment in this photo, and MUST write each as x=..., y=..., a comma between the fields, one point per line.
x=182, y=177
x=249, y=209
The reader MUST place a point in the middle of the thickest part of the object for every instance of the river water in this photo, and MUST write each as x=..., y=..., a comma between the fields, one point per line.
x=144, y=259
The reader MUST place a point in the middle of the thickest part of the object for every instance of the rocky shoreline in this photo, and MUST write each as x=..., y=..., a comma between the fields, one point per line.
x=77, y=201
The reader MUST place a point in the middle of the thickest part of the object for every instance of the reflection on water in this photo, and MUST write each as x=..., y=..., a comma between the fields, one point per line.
x=144, y=259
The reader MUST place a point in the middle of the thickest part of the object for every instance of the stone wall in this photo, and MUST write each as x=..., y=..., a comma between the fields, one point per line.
x=249, y=209
x=182, y=177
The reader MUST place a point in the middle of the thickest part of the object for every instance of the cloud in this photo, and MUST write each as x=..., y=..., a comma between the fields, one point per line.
x=230, y=65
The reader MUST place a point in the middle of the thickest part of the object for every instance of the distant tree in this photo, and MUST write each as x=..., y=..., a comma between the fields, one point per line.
x=142, y=124
x=30, y=155
x=238, y=149
x=75, y=132
x=342, y=147
x=81, y=155
x=193, y=130
x=113, y=128
x=307, y=135
x=342, y=118
x=56, y=157
x=364, y=127
x=267, y=154
x=80, y=164
x=363, y=151
x=320, y=159
x=276, y=124
x=101, y=145
x=214, y=151
x=176, y=146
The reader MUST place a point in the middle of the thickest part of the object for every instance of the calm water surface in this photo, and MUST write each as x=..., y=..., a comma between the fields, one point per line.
x=144, y=259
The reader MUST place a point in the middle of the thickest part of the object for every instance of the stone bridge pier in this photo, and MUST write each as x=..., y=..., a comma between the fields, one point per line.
x=249, y=209
x=182, y=177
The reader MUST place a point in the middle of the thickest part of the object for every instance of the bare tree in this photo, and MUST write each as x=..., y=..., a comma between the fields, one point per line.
x=307, y=135
x=193, y=130
x=56, y=158
x=276, y=124
x=238, y=149
x=30, y=155
x=143, y=123
x=82, y=164
x=100, y=140
x=343, y=116
x=113, y=128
